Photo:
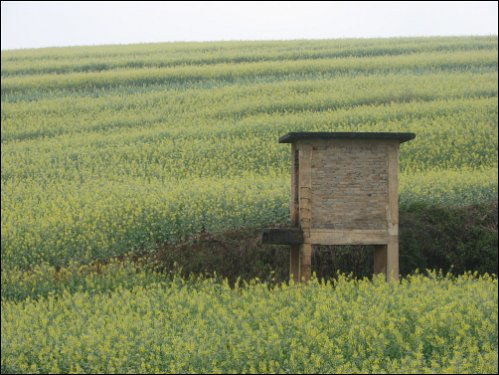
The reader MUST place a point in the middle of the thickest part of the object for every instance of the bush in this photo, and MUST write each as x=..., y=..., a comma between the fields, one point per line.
x=452, y=239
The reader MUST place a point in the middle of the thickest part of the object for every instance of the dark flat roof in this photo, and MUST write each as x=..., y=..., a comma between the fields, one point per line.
x=297, y=136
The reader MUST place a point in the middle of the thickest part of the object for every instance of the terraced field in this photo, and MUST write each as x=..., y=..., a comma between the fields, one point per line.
x=113, y=150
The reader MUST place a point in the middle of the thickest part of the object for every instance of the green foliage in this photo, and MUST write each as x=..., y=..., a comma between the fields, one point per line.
x=454, y=239
x=424, y=324
x=107, y=151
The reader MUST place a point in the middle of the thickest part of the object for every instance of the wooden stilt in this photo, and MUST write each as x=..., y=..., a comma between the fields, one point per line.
x=305, y=262
x=386, y=259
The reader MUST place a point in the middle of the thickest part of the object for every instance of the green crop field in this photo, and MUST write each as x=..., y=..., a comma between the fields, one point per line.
x=207, y=327
x=115, y=150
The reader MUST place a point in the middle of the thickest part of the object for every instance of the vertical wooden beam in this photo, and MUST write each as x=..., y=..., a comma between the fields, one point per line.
x=392, y=257
x=386, y=257
x=294, y=255
x=295, y=170
x=305, y=215
x=305, y=262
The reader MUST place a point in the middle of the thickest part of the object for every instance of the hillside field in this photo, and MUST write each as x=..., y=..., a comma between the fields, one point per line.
x=113, y=152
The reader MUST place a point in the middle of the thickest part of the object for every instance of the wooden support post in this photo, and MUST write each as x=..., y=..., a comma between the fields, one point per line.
x=305, y=262
x=392, y=259
x=386, y=259
x=295, y=199
x=305, y=214
x=392, y=252
x=294, y=254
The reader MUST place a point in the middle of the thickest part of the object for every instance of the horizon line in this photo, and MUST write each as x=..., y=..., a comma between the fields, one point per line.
x=247, y=40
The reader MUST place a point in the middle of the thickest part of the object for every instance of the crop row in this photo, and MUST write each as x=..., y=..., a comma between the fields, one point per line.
x=483, y=61
x=71, y=114
x=175, y=54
